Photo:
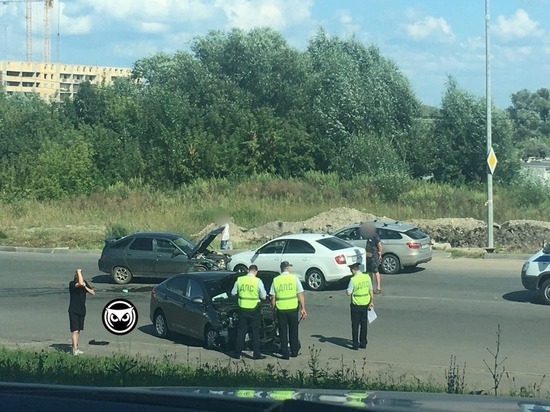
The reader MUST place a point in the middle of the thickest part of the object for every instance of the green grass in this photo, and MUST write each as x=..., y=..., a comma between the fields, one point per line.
x=84, y=222
x=119, y=370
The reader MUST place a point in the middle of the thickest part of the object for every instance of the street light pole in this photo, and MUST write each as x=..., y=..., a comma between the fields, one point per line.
x=490, y=244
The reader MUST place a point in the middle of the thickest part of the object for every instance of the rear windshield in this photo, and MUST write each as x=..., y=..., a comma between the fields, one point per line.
x=416, y=234
x=121, y=244
x=334, y=243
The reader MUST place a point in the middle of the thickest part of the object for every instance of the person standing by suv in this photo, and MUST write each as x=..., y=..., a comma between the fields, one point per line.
x=78, y=288
x=287, y=298
x=374, y=253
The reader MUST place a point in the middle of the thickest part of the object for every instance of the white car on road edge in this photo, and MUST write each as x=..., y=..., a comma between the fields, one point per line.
x=317, y=259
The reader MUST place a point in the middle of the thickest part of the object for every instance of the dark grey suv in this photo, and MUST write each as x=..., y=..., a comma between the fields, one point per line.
x=403, y=244
x=157, y=254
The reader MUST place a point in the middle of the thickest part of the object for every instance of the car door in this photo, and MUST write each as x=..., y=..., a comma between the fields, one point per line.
x=301, y=255
x=140, y=257
x=196, y=317
x=175, y=304
x=170, y=260
x=269, y=256
x=392, y=242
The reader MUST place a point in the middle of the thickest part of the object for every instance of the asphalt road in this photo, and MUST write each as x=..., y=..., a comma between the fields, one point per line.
x=447, y=307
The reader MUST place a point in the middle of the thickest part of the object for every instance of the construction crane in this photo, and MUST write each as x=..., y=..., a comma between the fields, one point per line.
x=48, y=5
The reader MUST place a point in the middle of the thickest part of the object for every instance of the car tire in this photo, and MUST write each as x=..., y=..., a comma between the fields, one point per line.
x=545, y=292
x=390, y=264
x=210, y=336
x=240, y=269
x=161, y=325
x=315, y=280
x=122, y=275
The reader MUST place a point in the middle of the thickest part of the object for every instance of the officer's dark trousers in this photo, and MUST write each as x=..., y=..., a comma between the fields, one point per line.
x=359, y=321
x=249, y=319
x=288, y=329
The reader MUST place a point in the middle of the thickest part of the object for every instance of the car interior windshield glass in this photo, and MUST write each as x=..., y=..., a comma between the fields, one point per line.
x=185, y=245
x=165, y=246
x=333, y=243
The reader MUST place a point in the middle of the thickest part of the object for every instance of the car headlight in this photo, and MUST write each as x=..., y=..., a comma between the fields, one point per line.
x=525, y=267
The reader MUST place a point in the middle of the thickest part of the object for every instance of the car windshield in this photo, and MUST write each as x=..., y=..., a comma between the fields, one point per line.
x=334, y=243
x=184, y=244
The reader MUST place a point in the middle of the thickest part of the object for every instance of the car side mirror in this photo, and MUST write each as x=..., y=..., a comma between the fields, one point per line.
x=197, y=300
x=546, y=249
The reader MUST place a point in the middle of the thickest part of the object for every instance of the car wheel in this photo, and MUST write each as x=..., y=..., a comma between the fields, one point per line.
x=161, y=325
x=210, y=337
x=390, y=264
x=122, y=275
x=315, y=280
x=545, y=292
x=240, y=269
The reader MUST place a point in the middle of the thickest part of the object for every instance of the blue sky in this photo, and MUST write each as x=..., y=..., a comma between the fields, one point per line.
x=428, y=39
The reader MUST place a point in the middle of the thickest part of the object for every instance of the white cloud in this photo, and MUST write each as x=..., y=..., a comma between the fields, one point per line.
x=146, y=27
x=278, y=14
x=518, y=26
x=347, y=22
x=435, y=28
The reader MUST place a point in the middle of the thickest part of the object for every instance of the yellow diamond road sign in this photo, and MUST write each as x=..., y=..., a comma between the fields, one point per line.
x=492, y=161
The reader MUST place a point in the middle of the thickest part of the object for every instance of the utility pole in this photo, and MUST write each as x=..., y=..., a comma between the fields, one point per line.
x=491, y=158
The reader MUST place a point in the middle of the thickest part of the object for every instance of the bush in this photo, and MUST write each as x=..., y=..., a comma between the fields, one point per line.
x=529, y=191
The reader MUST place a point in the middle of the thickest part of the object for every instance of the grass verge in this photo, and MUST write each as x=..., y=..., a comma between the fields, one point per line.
x=84, y=222
x=119, y=370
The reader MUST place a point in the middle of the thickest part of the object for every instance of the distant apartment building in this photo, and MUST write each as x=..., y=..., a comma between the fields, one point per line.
x=539, y=168
x=54, y=81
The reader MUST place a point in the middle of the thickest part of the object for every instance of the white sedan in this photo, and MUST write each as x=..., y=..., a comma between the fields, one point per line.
x=317, y=259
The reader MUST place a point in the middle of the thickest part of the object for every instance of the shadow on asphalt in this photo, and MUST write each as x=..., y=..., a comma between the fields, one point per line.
x=411, y=270
x=344, y=343
x=61, y=347
x=523, y=296
x=137, y=281
x=173, y=337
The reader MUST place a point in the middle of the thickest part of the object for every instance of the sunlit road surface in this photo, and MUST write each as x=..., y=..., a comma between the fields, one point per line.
x=446, y=307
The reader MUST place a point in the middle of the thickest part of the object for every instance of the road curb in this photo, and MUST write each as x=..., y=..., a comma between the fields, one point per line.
x=511, y=256
x=47, y=250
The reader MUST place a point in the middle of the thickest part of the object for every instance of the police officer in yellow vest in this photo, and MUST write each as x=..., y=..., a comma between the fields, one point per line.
x=286, y=293
x=360, y=290
x=250, y=291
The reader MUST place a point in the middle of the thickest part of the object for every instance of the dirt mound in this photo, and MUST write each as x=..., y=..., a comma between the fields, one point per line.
x=457, y=232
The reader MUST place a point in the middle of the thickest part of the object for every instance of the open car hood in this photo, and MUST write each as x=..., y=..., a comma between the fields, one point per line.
x=203, y=244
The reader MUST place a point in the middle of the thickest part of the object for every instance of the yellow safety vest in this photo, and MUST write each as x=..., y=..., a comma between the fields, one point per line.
x=286, y=292
x=247, y=287
x=281, y=395
x=361, y=288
